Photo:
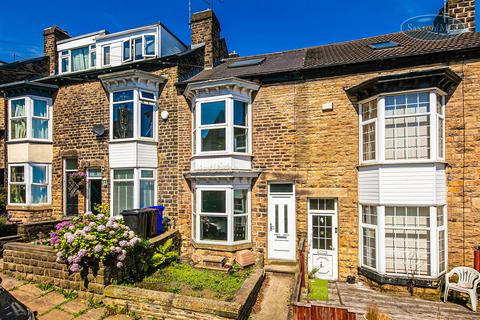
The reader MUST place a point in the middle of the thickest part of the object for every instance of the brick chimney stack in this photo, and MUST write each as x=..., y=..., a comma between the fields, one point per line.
x=50, y=37
x=463, y=11
x=206, y=31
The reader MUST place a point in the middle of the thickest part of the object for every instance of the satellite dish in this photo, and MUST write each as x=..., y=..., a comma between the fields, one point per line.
x=98, y=129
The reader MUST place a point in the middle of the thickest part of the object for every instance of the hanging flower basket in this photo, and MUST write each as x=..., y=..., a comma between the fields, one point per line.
x=78, y=177
x=76, y=183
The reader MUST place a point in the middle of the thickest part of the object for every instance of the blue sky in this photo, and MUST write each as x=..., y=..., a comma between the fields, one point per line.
x=250, y=26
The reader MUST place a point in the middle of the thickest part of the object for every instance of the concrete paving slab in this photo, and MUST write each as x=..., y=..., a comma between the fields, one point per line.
x=56, y=315
x=275, y=295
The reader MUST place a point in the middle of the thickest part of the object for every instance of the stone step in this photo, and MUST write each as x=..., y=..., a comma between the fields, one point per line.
x=281, y=268
x=214, y=261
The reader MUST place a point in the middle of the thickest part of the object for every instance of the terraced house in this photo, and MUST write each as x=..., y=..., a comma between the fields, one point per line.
x=367, y=150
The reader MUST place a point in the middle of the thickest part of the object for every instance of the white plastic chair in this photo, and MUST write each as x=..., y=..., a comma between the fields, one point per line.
x=468, y=279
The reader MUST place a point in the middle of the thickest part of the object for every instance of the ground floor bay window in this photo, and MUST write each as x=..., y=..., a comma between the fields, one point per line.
x=221, y=214
x=29, y=184
x=132, y=188
x=403, y=241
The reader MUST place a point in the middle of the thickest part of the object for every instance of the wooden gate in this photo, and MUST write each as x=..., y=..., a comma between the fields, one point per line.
x=310, y=311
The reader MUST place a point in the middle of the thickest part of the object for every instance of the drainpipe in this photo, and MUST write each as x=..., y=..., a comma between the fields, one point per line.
x=5, y=135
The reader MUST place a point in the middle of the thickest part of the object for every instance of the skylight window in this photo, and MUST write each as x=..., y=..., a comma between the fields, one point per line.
x=246, y=63
x=383, y=45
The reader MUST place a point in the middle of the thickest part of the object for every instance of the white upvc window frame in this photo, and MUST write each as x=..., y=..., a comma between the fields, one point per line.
x=367, y=122
x=136, y=187
x=92, y=50
x=137, y=103
x=374, y=227
x=109, y=55
x=229, y=213
x=28, y=182
x=434, y=231
x=434, y=93
x=229, y=126
x=131, y=47
x=29, y=116
x=65, y=54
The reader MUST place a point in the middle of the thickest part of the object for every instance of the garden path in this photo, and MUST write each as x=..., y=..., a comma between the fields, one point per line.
x=274, y=297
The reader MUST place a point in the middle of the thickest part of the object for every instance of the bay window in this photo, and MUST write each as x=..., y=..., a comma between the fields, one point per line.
x=30, y=118
x=29, y=184
x=222, y=126
x=402, y=127
x=403, y=241
x=132, y=188
x=133, y=115
x=221, y=214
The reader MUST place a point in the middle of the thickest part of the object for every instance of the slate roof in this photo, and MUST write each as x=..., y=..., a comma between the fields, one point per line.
x=411, y=44
x=24, y=70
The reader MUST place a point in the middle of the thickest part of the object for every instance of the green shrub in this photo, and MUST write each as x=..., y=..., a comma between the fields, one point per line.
x=3, y=221
x=103, y=208
x=164, y=255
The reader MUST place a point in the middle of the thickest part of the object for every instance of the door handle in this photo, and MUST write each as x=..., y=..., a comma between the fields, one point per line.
x=336, y=230
x=271, y=227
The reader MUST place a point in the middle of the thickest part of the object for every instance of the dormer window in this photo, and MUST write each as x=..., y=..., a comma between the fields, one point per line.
x=138, y=48
x=30, y=118
x=222, y=126
x=78, y=59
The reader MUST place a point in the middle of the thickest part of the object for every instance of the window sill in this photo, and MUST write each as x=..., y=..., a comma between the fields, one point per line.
x=36, y=141
x=400, y=162
x=424, y=282
x=222, y=154
x=29, y=207
x=222, y=247
x=150, y=141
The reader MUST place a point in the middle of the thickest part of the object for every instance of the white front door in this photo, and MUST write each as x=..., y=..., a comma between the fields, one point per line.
x=281, y=222
x=322, y=238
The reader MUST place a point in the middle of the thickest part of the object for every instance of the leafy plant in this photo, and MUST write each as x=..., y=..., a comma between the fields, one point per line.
x=164, y=255
x=3, y=199
x=373, y=313
x=313, y=272
x=103, y=208
x=3, y=221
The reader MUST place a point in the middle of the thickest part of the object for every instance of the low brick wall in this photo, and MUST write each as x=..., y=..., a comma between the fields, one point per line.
x=164, y=305
x=38, y=263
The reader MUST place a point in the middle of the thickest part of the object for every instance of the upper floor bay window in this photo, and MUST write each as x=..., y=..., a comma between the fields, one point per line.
x=133, y=114
x=402, y=127
x=138, y=48
x=29, y=184
x=30, y=118
x=222, y=126
x=221, y=214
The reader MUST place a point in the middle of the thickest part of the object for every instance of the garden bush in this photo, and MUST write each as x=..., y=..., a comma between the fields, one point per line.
x=89, y=240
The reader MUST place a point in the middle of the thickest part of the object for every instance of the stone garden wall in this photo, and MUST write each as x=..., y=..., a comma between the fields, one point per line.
x=38, y=263
x=165, y=305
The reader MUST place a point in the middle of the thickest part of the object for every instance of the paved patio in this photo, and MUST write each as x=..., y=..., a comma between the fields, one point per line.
x=52, y=305
x=357, y=298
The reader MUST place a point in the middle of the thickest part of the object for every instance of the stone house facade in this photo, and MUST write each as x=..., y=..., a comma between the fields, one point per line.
x=366, y=150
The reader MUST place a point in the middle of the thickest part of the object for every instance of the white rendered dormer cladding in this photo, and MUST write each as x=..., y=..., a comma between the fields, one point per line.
x=102, y=49
x=133, y=132
x=401, y=179
x=221, y=124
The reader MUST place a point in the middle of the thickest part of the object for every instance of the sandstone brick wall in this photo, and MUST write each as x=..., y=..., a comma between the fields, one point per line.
x=50, y=37
x=464, y=11
x=38, y=263
x=206, y=30
x=76, y=108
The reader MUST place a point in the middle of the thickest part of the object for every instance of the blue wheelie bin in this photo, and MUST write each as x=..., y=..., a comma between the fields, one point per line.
x=159, y=218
